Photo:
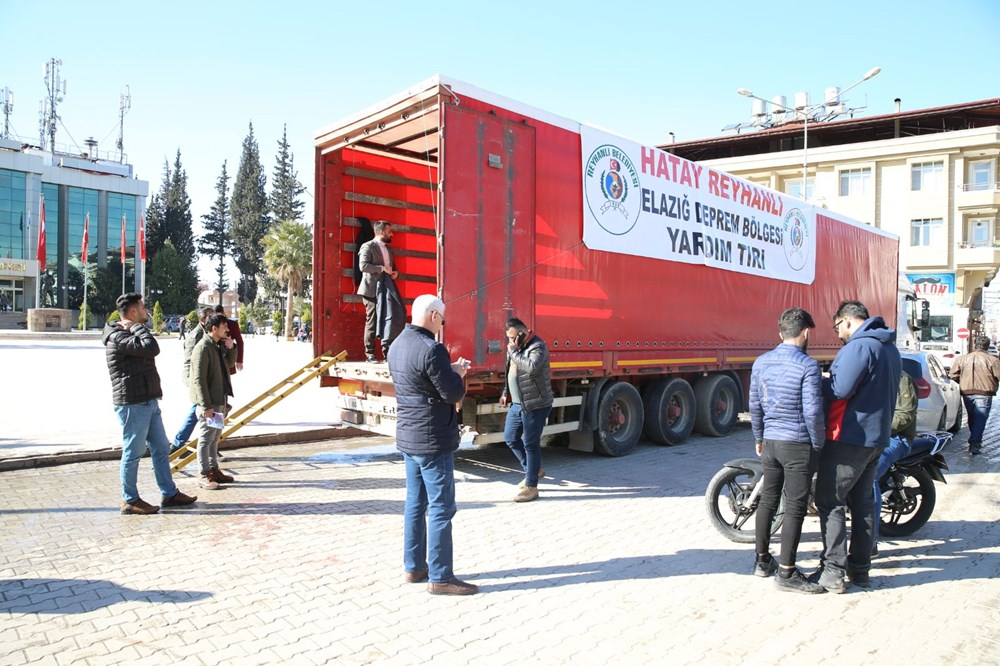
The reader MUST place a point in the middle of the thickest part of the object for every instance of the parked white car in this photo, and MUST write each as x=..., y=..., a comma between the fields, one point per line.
x=940, y=406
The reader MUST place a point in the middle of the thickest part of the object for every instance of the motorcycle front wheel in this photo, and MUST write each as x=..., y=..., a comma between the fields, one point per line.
x=908, y=499
x=726, y=500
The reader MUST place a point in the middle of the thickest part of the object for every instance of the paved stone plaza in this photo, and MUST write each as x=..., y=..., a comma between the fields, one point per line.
x=300, y=562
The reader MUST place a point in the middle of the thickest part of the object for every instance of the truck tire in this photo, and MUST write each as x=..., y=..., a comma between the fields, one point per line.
x=718, y=405
x=619, y=419
x=669, y=410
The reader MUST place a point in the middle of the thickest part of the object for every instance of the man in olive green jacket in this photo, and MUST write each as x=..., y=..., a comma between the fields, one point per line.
x=208, y=387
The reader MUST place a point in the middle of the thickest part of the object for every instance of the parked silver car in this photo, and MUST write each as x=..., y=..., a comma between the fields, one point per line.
x=940, y=406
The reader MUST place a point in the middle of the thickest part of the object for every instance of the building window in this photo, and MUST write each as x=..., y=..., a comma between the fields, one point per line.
x=13, y=217
x=854, y=182
x=927, y=176
x=51, y=194
x=980, y=232
x=121, y=206
x=927, y=232
x=981, y=175
x=81, y=202
x=793, y=187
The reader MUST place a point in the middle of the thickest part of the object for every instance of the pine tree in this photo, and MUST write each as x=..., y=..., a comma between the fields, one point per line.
x=250, y=220
x=217, y=241
x=157, y=231
x=178, y=212
x=286, y=188
x=175, y=279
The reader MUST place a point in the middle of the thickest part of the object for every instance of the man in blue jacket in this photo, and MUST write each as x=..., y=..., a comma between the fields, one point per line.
x=861, y=390
x=786, y=413
x=428, y=387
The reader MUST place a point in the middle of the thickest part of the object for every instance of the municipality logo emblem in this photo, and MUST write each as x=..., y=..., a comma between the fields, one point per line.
x=796, y=239
x=611, y=185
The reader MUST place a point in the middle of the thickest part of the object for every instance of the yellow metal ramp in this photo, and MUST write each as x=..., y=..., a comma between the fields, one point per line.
x=269, y=398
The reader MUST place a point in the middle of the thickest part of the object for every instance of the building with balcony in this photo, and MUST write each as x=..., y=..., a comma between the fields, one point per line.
x=929, y=176
x=73, y=186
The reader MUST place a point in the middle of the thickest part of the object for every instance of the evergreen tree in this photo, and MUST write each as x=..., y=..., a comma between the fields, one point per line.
x=178, y=212
x=217, y=241
x=286, y=188
x=250, y=220
x=157, y=231
x=175, y=278
x=288, y=257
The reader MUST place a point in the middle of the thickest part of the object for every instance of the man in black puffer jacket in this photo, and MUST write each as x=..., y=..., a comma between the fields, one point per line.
x=528, y=391
x=135, y=388
x=428, y=386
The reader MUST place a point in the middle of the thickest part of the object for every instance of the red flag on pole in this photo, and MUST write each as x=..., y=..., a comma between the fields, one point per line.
x=123, y=240
x=86, y=238
x=142, y=237
x=41, y=235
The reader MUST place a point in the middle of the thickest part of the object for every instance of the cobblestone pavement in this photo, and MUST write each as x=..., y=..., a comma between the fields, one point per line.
x=300, y=562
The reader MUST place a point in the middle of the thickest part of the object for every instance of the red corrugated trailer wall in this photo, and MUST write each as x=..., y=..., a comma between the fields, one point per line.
x=632, y=338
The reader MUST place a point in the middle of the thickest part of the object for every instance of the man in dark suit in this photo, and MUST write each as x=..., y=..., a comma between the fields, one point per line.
x=375, y=259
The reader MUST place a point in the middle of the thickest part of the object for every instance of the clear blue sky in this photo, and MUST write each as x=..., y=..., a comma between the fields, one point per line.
x=200, y=72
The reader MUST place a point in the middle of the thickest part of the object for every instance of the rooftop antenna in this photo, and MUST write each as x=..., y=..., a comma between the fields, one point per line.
x=124, y=104
x=57, y=89
x=8, y=108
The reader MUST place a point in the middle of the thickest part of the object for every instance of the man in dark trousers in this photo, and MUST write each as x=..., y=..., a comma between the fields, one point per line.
x=428, y=388
x=786, y=414
x=861, y=390
x=978, y=376
x=375, y=258
x=528, y=391
x=131, y=352
x=209, y=387
x=190, y=341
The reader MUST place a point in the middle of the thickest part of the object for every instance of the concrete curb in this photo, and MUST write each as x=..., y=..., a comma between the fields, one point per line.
x=115, y=452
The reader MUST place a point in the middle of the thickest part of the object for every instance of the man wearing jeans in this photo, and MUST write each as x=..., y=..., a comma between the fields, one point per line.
x=131, y=351
x=191, y=420
x=209, y=387
x=528, y=391
x=786, y=414
x=861, y=389
x=428, y=389
x=978, y=375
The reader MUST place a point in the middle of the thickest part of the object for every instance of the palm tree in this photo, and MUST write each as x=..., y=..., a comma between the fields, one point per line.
x=288, y=257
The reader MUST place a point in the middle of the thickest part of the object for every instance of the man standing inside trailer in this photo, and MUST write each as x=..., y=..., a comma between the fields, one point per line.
x=375, y=258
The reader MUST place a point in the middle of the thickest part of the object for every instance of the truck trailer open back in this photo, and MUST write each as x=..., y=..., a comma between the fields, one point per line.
x=655, y=281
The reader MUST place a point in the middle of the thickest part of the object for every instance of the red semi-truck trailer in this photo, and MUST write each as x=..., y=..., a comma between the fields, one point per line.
x=655, y=281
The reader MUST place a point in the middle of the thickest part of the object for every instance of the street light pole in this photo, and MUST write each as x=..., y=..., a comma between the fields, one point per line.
x=806, y=112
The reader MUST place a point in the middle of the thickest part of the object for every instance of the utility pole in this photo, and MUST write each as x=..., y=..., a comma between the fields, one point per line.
x=124, y=104
x=8, y=108
x=57, y=90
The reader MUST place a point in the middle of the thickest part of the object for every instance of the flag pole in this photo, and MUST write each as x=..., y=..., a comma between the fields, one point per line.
x=86, y=239
x=123, y=253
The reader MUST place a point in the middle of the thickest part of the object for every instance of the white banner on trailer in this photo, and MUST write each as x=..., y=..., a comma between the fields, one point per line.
x=644, y=202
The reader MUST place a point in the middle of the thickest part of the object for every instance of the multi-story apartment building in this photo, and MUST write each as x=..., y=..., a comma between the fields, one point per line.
x=929, y=176
x=73, y=186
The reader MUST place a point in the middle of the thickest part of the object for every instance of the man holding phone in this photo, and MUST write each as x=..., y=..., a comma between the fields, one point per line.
x=528, y=391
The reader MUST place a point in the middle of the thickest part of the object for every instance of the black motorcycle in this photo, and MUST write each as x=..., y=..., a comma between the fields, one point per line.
x=908, y=493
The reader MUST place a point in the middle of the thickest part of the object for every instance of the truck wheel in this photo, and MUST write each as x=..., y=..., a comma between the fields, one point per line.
x=619, y=419
x=669, y=407
x=718, y=400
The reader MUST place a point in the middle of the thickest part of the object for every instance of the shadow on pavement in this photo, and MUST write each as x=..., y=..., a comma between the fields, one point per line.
x=65, y=596
x=346, y=508
x=681, y=563
x=950, y=558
